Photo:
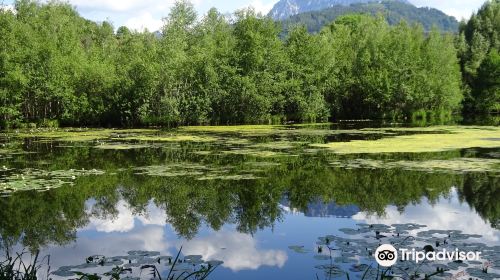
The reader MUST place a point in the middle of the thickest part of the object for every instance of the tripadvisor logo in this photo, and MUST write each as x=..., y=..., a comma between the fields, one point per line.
x=386, y=255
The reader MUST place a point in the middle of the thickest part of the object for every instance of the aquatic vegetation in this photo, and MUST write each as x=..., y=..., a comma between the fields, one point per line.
x=243, y=129
x=173, y=170
x=354, y=256
x=132, y=267
x=435, y=139
x=280, y=130
x=169, y=138
x=11, y=148
x=196, y=172
x=236, y=177
x=298, y=249
x=15, y=268
x=254, y=153
x=250, y=181
x=459, y=165
x=278, y=145
x=119, y=146
x=77, y=134
x=40, y=180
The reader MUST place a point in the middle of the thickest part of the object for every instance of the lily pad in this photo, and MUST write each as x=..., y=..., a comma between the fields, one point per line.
x=298, y=249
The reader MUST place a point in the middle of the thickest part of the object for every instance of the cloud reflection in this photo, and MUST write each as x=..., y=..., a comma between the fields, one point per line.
x=125, y=220
x=238, y=251
x=447, y=214
x=150, y=238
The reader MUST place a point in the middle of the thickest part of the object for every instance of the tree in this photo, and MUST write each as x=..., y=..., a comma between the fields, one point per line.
x=304, y=98
x=479, y=38
x=209, y=70
x=12, y=79
x=260, y=60
x=167, y=104
x=487, y=88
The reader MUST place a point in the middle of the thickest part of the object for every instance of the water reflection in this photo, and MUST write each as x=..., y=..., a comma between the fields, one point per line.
x=124, y=220
x=248, y=224
x=321, y=209
x=89, y=243
x=115, y=201
x=239, y=251
x=447, y=213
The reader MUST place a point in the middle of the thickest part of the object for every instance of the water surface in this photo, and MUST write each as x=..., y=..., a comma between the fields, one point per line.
x=243, y=198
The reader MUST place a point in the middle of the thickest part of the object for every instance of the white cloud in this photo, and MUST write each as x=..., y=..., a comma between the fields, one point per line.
x=143, y=21
x=141, y=14
x=123, y=5
x=262, y=6
x=135, y=14
x=457, y=8
x=238, y=251
x=123, y=222
x=154, y=216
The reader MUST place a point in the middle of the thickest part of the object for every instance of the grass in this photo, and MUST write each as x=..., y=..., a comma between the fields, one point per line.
x=435, y=139
x=14, y=268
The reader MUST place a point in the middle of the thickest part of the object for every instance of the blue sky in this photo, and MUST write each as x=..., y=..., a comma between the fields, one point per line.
x=140, y=14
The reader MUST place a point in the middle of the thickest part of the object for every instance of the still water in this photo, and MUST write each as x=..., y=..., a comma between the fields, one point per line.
x=246, y=199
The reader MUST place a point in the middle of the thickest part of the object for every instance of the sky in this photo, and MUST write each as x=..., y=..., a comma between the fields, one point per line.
x=140, y=14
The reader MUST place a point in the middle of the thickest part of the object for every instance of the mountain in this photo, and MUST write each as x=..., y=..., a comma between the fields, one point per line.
x=393, y=11
x=318, y=208
x=287, y=8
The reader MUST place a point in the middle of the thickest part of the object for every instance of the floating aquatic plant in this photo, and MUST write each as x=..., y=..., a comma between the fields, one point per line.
x=448, y=138
x=41, y=180
x=236, y=177
x=197, y=172
x=120, y=146
x=457, y=165
x=169, y=138
x=355, y=255
x=254, y=153
x=298, y=249
x=135, y=263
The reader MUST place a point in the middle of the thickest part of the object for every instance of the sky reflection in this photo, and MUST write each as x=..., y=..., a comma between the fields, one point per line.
x=252, y=255
x=448, y=213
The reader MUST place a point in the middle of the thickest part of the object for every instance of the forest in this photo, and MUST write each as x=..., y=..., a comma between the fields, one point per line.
x=57, y=68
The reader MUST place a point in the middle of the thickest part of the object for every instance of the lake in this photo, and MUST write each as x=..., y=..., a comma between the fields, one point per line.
x=268, y=202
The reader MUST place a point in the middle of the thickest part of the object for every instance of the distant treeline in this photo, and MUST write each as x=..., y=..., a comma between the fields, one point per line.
x=59, y=68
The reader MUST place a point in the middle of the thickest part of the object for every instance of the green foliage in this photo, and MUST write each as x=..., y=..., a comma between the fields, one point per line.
x=389, y=72
x=55, y=65
x=487, y=87
x=478, y=46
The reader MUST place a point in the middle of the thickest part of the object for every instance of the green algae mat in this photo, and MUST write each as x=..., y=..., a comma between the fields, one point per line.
x=238, y=153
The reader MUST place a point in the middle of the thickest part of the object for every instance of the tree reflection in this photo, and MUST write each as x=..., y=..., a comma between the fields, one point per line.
x=38, y=219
